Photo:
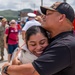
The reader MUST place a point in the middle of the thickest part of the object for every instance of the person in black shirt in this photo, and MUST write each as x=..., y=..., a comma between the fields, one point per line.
x=59, y=57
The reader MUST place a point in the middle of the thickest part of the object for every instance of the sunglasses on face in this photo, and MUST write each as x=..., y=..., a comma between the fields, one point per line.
x=13, y=23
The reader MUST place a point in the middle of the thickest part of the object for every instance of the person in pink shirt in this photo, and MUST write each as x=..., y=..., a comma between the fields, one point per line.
x=74, y=24
x=12, y=42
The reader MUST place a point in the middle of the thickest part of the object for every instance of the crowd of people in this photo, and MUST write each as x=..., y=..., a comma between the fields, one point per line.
x=49, y=43
x=10, y=31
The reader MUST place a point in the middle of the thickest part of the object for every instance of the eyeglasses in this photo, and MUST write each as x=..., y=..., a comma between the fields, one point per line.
x=13, y=23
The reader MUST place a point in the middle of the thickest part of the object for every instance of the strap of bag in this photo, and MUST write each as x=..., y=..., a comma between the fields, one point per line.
x=21, y=46
x=8, y=35
x=9, y=32
x=20, y=49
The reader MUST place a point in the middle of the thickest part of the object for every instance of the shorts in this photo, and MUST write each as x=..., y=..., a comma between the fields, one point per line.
x=11, y=48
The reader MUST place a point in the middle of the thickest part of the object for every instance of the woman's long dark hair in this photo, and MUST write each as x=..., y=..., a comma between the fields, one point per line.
x=34, y=30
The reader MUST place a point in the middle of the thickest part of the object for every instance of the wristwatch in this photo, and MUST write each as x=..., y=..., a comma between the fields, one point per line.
x=5, y=70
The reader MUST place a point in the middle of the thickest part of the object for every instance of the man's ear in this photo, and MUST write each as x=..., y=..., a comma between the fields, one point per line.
x=62, y=17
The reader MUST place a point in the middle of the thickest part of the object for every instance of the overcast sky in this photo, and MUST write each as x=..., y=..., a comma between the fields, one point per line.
x=33, y=4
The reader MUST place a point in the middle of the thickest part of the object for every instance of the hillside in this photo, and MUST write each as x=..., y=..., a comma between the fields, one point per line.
x=11, y=14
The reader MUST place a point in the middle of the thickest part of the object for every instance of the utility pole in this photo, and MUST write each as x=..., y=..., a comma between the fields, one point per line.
x=64, y=0
x=34, y=6
x=41, y=2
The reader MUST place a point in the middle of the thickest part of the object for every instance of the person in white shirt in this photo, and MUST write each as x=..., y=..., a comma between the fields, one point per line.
x=31, y=22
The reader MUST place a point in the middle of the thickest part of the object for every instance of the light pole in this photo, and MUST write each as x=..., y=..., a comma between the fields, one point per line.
x=41, y=2
x=34, y=6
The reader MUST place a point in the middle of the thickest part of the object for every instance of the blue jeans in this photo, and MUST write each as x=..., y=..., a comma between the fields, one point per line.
x=11, y=48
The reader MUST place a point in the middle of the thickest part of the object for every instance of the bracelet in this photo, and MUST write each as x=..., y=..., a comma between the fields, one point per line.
x=5, y=69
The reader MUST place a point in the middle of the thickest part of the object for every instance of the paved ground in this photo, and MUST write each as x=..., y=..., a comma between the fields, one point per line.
x=5, y=52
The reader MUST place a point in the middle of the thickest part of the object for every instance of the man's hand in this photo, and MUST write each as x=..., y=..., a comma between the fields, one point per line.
x=6, y=64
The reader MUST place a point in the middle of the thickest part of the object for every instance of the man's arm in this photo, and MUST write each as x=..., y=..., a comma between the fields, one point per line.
x=24, y=29
x=24, y=69
x=23, y=34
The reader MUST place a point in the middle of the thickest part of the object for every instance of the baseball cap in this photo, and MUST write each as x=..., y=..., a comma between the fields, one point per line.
x=12, y=21
x=61, y=7
x=31, y=15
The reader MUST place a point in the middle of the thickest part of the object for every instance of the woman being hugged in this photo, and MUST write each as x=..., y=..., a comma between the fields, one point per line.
x=36, y=41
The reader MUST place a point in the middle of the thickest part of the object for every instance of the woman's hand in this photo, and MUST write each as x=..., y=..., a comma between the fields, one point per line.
x=6, y=46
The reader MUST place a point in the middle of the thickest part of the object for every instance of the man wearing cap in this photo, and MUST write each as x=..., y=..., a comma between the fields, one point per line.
x=59, y=57
x=31, y=22
x=2, y=30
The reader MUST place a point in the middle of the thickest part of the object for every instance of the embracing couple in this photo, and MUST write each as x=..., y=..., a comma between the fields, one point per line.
x=58, y=58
